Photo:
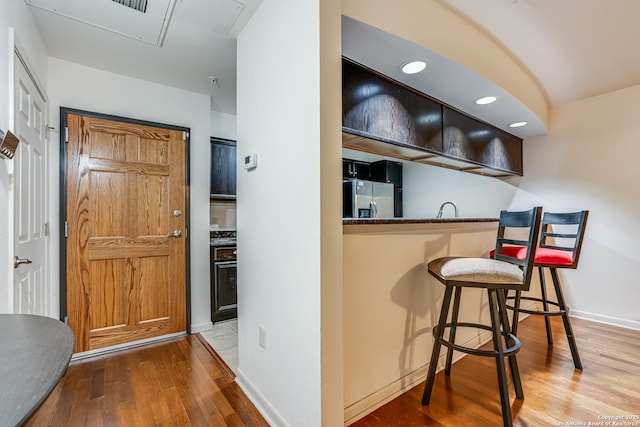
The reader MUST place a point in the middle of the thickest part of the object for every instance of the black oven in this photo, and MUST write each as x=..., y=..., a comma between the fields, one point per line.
x=224, y=289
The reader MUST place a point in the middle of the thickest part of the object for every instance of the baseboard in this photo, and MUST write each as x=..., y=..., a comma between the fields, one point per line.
x=201, y=327
x=363, y=407
x=270, y=414
x=600, y=318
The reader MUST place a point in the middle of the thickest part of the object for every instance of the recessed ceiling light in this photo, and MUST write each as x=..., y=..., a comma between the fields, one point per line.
x=517, y=124
x=486, y=100
x=413, y=67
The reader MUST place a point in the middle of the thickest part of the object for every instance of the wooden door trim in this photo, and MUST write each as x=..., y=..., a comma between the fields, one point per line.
x=64, y=112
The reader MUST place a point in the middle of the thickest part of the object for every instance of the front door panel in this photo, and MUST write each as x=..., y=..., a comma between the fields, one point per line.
x=126, y=277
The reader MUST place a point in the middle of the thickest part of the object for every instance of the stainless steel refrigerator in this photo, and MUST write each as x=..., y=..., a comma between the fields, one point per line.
x=367, y=199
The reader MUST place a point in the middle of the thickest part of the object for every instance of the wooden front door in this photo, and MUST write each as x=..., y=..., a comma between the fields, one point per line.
x=126, y=274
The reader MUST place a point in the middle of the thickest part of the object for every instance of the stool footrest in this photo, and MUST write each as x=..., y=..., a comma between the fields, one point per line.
x=538, y=312
x=474, y=351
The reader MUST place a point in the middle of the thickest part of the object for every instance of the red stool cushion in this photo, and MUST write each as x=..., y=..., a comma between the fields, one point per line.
x=543, y=255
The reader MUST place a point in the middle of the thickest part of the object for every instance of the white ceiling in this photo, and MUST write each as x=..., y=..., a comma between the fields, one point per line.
x=200, y=42
x=573, y=48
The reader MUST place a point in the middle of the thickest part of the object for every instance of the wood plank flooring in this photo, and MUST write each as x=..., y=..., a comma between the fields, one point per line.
x=172, y=383
x=178, y=382
x=555, y=393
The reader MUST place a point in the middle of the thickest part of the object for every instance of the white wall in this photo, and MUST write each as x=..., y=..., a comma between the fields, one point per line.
x=223, y=125
x=84, y=88
x=13, y=14
x=589, y=161
x=283, y=209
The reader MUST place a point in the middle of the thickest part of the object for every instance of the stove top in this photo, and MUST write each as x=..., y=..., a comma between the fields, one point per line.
x=222, y=237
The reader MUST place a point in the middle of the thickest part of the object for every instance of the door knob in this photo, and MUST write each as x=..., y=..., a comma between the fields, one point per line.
x=177, y=233
x=17, y=261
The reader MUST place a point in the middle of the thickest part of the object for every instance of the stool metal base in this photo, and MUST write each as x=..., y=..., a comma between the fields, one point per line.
x=499, y=328
x=563, y=311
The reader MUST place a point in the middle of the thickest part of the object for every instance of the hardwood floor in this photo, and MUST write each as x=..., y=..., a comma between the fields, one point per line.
x=555, y=393
x=172, y=383
x=178, y=382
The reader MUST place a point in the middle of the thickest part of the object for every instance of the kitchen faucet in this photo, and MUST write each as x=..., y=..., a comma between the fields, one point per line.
x=447, y=203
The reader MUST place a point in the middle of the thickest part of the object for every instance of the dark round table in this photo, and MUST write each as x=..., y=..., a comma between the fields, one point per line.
x=34, y=354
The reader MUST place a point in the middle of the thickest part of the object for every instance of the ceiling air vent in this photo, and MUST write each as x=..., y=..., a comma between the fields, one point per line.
x=149, y=26
x=139, y=5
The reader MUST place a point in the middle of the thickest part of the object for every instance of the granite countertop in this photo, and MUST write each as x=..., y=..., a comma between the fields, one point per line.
x=218, y=237
x=371, y=221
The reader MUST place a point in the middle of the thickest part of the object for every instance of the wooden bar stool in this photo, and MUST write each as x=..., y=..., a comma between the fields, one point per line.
x=497, y=275
x=557, y=249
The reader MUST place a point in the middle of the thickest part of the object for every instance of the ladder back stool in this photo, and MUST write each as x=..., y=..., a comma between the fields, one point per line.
x=498, y=274
x=558, y=248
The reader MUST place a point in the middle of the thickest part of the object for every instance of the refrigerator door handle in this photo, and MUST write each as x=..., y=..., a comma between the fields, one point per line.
x=374, y=209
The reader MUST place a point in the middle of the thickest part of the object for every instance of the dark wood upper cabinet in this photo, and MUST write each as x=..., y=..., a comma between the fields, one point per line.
x=383, y=116
x=223, y=169
x=355, y=169
x=373, y=106
x=469, y=139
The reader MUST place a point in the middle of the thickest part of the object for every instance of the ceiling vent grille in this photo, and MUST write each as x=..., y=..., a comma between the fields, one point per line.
x=139, y=5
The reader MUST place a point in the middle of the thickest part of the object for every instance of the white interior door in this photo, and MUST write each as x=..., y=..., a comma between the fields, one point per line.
x=31, y=293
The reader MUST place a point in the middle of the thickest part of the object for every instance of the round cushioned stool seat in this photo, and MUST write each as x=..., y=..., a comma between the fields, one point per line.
x=476, y=270
x=543, y=255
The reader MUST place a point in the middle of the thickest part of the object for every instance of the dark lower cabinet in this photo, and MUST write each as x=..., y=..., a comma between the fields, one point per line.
x=224, y=284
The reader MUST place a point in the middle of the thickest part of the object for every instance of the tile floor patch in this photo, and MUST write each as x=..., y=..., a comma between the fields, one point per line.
x=223, y=338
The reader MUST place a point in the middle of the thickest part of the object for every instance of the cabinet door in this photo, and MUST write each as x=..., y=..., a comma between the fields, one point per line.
x=377, y=108
x=387, y=171
x=223, y=169
x=224, y=294
x=355, y=169
x=468, y=139
x=347, y=169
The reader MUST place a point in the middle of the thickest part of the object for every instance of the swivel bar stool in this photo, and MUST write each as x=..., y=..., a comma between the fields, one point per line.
x=562, y=252
x=496, y=275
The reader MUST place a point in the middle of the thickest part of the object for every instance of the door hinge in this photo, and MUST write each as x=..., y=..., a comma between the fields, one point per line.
x=66, y=320
x=66, y=134
x=185, y=135
x=46, y=229
x=66, y=229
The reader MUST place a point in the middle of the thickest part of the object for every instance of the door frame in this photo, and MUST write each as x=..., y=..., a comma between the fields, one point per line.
x=64, y=112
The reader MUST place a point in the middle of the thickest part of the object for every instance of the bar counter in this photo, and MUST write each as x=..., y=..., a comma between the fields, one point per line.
x=391, y=303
